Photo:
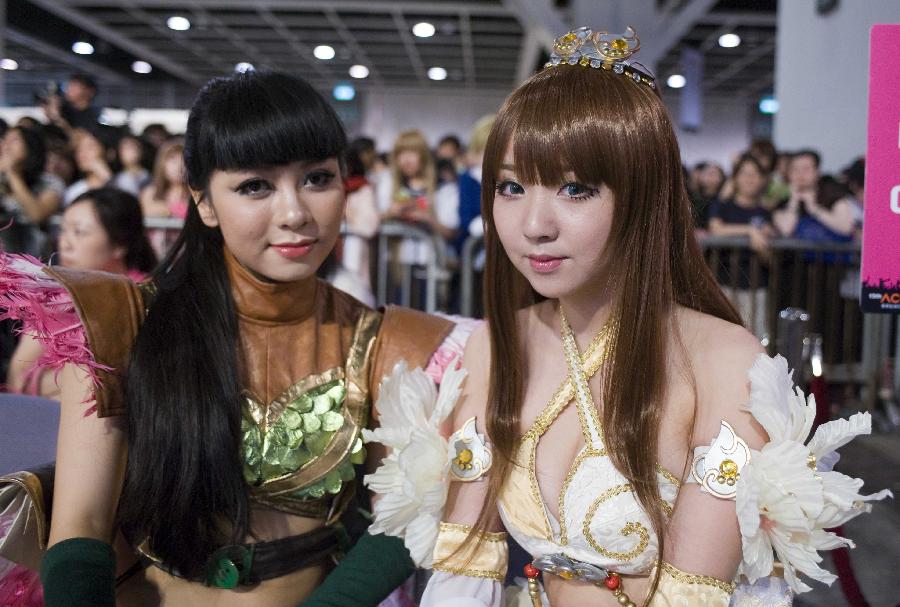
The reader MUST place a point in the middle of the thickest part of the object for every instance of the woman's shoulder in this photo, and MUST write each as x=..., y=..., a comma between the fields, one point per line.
x=720, y=355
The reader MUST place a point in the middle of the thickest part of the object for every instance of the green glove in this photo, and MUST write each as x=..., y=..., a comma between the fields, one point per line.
x=79, y=572
x=372, y=569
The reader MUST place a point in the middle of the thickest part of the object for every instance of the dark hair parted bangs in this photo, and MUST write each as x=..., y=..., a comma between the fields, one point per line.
x=258, y=119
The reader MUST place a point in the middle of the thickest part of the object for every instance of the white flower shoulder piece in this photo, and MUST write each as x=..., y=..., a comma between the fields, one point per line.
x=787, y=494
x=413, y=479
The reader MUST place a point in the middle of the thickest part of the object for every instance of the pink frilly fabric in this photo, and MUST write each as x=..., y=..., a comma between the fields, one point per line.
x=46, y=311
x=450, y=349
x=19, y=587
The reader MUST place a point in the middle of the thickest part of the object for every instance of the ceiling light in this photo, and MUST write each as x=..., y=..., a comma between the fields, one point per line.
x=768, y=105
x=243, y=67
x=359, y=71
x=9, y=64
x=178, y=23
x=423, y=29
x=729, y=40
x=83, y=48
x=141, y=67
x=676, y=81
x=324, y=52
x=437, y=73
x=344, y=92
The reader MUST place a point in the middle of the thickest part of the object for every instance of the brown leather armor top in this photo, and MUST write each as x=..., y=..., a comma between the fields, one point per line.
x=299, y=340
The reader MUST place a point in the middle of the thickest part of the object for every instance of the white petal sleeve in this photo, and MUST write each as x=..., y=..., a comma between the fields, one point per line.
x=446, y=589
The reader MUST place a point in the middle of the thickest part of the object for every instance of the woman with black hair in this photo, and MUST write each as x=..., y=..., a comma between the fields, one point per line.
x=215, y=421
x=28, y=195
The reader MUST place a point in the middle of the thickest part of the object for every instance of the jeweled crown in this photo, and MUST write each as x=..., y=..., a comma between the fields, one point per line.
x=602, y=50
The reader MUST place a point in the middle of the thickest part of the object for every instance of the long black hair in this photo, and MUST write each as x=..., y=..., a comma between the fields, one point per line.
x=123, y=221
x=184, y=486
x=36, y=154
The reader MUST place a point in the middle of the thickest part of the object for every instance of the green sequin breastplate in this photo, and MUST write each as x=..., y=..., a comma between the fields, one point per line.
x=299, y=450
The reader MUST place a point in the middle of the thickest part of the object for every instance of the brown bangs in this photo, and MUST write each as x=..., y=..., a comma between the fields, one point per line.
x=568, y=118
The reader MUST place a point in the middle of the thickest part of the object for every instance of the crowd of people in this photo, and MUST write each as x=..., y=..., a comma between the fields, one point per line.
x=219, y=422
x=45, y=167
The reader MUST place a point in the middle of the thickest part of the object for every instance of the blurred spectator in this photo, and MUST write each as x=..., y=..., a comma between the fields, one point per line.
x=854, y=177
x=745, y=215
x=707, y=179
x=450, y=148
x=75, y=108
x=364, y=149
x=28, y=122
x=133, y=153
x=101, y=230
x=155, y=134
x=470, y=182
x=381, y=166
x=28, y=195
x=410, y=193
x=352, y=273
x=764, y=152
x=446, y=171
x=779, y=186
x=92, y=160
x=166, y=195
x=4, y=126
x=60, y=162
x=811, y=212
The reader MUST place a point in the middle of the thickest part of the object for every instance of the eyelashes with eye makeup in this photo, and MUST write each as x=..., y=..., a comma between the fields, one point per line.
x=573, y=190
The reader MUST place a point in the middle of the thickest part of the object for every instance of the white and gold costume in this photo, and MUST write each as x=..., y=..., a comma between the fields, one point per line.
x=786, y=494
x=788, y=484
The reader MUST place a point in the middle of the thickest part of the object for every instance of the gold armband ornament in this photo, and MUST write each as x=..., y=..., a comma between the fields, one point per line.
x=470, y=456
x=486, y=556
x=679, y=588
x=717, y=468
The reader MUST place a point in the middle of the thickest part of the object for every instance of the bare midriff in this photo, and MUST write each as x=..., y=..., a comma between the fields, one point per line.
x=570, y=592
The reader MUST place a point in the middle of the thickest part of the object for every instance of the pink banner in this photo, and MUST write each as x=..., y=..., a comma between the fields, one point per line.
x=881, y=226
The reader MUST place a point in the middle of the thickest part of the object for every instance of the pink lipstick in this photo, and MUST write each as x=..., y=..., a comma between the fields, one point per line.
x=544, y=263
x=293, y=250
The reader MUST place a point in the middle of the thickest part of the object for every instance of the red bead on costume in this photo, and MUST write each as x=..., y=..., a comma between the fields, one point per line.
x=612, y=582
x=531, y=572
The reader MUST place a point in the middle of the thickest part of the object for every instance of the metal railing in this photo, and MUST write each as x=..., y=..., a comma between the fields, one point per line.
x=395, y=274
x=821, y=278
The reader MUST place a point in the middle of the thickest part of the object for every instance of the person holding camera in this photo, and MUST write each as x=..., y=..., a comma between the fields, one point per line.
x=74, y=108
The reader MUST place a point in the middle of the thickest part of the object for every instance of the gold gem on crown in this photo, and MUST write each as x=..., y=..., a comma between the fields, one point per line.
x=588, y=48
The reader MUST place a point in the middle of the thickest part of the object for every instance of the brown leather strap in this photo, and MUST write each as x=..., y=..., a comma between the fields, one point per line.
x=408, y=335
x=111, y=309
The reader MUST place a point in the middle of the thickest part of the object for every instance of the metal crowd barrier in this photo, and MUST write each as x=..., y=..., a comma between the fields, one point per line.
x=821, y=278
x=433, y=270
x=470, y=249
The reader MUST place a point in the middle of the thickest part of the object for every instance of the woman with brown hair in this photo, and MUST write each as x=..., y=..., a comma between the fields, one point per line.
x=413, y=195
x=166, y=195
x=604, y=422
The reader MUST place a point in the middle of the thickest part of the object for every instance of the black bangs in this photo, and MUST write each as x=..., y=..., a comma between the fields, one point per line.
x=259, y=119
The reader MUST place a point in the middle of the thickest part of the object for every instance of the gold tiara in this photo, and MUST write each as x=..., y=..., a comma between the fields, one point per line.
x=601, y=50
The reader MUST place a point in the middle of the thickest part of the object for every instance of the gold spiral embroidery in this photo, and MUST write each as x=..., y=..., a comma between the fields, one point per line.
x=630, y=528
x=563, y=531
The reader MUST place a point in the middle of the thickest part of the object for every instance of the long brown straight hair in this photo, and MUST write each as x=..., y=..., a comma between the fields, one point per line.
x=607, y=129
